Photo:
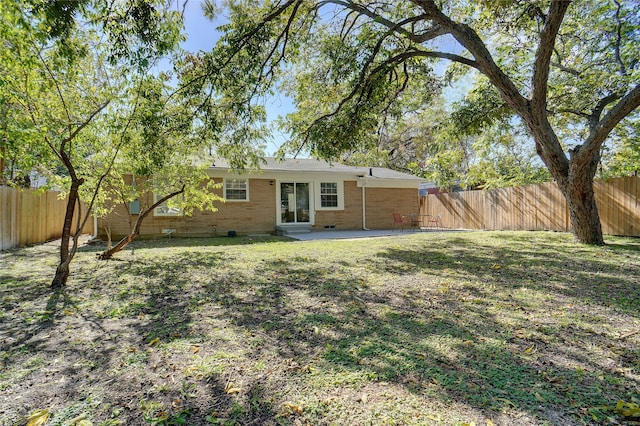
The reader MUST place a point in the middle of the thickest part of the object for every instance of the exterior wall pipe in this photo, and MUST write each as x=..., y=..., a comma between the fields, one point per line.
x=364, y=211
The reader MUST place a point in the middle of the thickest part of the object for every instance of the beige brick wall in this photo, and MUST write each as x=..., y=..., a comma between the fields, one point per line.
x=350, y=217
x=256, y=216
x=259, y=214
x=382, y=202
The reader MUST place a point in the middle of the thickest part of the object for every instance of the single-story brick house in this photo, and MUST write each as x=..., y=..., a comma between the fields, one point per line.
x=289, y=196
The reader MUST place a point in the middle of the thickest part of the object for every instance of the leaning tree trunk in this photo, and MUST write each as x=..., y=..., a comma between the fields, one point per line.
x=62, y=271
x=108, y=254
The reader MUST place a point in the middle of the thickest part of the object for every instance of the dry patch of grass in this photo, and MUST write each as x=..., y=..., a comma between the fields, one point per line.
x=442, y=328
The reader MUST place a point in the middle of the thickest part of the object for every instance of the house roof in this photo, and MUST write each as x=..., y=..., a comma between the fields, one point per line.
x=321, y=166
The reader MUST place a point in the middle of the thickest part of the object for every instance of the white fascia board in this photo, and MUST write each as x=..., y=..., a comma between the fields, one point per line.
x=285, y=175
x=388, y=183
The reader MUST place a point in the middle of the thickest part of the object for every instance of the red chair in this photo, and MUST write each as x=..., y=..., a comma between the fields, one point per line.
x=435, y=221
x=402, y=220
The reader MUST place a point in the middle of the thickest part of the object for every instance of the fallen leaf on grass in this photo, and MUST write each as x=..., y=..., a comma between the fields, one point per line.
x=628, y=409
x=154, y=341
x=195, y=349
x=80, y=420
x=539, y=397
x=293, y=407
x=38, y=418
x=490, y=422
x=505, y=400
x=231, y=389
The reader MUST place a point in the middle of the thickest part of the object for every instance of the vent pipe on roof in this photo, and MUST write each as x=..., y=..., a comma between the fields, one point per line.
x=370, y=171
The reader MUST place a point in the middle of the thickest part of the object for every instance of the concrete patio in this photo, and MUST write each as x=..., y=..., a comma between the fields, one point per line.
x=353, y=234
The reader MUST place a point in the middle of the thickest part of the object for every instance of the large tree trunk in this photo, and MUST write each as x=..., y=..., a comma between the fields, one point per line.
x=62, y=272
x=574, y=176
x=576, y=184
x=583, y=212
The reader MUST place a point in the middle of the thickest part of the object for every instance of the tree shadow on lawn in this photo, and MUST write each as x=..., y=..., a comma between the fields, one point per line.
x=196, y=242
x=446, y=348
x=440, y=344
x=584, y=273
x=434, y=343
x=591, y=302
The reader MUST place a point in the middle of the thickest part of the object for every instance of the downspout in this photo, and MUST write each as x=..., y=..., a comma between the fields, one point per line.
x=364, y=211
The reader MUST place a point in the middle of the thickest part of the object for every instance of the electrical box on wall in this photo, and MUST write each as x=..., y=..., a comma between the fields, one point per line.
x=134, y=207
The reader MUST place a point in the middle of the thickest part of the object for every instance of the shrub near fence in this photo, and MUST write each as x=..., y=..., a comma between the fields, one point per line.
x=29, y=217
x=537, y=207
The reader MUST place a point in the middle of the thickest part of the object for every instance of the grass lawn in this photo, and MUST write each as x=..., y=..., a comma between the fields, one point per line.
x=484, y=328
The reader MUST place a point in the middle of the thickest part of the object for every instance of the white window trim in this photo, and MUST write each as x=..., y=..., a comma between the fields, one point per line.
x=318, y=194
x=179, y=212
x=224, y=189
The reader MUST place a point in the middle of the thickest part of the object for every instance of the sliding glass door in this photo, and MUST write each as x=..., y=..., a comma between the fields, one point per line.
x=294, y=202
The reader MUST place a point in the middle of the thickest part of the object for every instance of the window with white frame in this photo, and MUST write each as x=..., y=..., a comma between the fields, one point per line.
x=329, y=194
x=236, y=189
x=164, y=209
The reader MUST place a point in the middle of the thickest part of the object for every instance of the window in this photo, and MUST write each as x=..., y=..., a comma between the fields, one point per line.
x=236, y=190
x=328, y=194
x=164, y=210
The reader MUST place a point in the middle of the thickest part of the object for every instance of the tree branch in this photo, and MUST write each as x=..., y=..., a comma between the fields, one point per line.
x=618, y=58
x=471, y=41
x=542, y=61
x=594, y=117
x=601, y=130
x=398, y=27
x=84, y=124
x=566, y=69
x=136, y=228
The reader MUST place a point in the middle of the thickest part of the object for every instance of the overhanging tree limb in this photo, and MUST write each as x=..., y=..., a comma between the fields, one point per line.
x=428, y=34
x=471, y=41
x=541, y=65
x=599, y=133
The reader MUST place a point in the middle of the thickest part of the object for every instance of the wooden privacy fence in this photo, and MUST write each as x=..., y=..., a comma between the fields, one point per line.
x=29, y=217
x=537, y=207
